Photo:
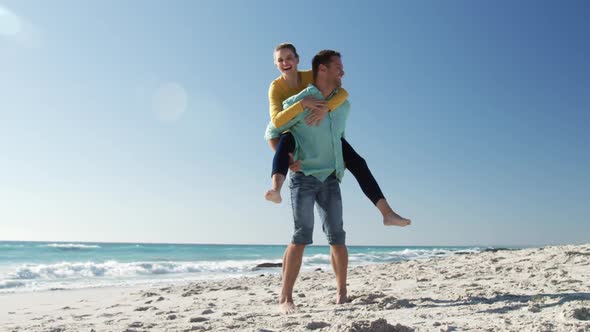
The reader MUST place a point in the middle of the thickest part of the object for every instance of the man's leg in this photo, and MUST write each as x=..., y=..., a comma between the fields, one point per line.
x=339, y=258
x=291, y=265
x=303, y=192
x=329, y=202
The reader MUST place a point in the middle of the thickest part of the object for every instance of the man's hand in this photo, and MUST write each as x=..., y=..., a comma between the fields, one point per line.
x=315, y=117
x=294, y=166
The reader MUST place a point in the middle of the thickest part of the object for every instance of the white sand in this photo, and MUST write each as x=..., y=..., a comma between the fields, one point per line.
x=545, y=289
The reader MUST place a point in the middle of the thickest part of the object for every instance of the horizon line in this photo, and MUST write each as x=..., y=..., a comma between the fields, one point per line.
x=285, y=244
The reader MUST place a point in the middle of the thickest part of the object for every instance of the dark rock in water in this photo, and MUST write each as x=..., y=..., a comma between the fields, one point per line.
x=318, y=269
x=496, y=249
x=264, y=265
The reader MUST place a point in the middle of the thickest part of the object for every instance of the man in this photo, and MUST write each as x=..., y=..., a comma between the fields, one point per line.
x=319, y=150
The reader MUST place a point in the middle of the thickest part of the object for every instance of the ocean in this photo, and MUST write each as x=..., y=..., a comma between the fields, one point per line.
x=42, y=266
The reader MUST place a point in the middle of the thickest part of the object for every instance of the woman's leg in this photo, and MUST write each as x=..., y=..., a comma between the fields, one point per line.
x=280, y=166
x=359, y=168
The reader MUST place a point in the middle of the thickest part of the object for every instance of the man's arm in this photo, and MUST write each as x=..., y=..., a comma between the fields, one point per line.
x=345, y=109
x=296, y=99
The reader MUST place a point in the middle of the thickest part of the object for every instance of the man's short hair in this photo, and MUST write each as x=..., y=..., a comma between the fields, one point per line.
x=288, y=47
x=324, y=57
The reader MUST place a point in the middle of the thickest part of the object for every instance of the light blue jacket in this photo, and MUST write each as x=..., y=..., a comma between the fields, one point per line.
x=318, y=147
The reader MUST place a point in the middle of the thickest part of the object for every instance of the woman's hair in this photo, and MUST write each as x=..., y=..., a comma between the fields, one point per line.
x=287, y=46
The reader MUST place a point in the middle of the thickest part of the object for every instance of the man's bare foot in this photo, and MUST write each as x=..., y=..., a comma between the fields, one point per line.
x=341, y=297
x=273, y=196
x=394, y=219
x=287, y=308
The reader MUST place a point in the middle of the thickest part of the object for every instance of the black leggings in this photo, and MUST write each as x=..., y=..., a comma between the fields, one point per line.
x=355, y=164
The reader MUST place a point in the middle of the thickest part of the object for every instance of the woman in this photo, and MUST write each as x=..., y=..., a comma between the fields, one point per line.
x=288, y=84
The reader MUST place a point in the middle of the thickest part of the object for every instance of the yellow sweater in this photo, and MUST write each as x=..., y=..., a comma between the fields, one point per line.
x=279, y=90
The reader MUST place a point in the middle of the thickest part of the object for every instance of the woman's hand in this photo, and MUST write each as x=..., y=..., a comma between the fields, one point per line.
x=317, y=110
x=315, y=116
x=314, y=104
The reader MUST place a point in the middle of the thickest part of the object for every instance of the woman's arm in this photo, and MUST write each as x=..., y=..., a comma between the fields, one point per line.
x=338, y=99
x=279, y=116
x=317, y=115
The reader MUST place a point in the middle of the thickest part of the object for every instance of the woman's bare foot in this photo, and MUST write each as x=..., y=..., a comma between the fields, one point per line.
x=394, y=219
x=273, y=196
x=287, y=308
x=274, y=193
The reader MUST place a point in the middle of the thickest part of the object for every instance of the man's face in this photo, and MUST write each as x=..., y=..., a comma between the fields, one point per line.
x=286, y=61
x=335, y=71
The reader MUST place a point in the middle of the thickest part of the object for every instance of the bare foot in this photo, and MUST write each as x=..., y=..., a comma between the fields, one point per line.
x=394, y=219
x=273, y=196
x=341, y=297
x=287, y=308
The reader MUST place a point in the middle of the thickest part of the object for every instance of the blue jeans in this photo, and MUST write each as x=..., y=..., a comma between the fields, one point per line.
x=305, y=192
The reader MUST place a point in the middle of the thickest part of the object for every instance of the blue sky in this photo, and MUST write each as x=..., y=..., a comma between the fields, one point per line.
x=143, y=121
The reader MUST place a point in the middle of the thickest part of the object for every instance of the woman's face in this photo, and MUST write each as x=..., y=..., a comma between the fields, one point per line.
x=286, y=61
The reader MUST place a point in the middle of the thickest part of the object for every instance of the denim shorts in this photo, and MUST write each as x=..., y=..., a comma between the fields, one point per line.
x=306, y=191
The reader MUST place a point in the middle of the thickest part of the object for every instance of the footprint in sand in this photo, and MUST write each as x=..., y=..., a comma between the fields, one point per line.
x=146, y=308
x=198, y=319
x=582, y=314
x=366, y=299
x=390, y=303
x=378, y=325
x=57, y=329
x=316, y=325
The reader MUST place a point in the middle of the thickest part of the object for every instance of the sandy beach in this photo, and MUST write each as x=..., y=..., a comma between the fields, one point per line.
x=538, y=289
